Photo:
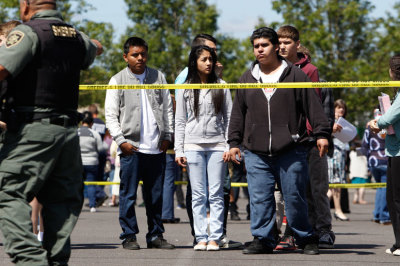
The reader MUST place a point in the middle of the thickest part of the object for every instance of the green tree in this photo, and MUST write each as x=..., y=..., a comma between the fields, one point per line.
x=341, y=36
x=235, y=55
x=99, y=73
x=168, y=27
x=9, y=9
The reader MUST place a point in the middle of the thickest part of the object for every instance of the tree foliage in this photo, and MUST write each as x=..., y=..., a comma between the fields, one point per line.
x=168, y=27
x=347, y=44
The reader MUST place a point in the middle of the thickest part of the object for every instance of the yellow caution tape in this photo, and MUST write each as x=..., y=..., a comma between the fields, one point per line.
x=342, y=84
x=367, y=185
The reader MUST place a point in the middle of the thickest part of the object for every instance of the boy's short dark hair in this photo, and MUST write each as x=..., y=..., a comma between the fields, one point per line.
x=135, y=41
x=289, y=32
x=265, y=32
x=201, y=38
x=7, y=27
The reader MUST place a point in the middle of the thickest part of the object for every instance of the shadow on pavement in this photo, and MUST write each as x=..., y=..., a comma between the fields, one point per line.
x=95, y=246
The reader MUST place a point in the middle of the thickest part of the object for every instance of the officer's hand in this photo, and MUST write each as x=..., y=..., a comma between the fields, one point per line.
x=127, y=148
x=322, y=145
x=181, y=161
x=99, y=46
x=3, y=125
x=235, y=152
x=164, y=145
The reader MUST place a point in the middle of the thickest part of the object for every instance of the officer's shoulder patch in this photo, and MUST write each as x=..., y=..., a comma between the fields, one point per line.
x=14, y=38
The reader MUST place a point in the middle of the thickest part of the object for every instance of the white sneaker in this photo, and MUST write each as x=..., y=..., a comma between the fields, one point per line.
x=40, y=236
x=212, y=247
x=395, y=252
x=93, y=209
x=202, y=246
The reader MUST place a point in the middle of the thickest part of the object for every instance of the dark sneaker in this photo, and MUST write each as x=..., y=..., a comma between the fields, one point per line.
x=160, y=243
x=130, y=243
x=257, y=247
x=311, y=249
x=286, y=243
x=326, y=240
x=225, y=243
x=100, y=201
x=235, y=216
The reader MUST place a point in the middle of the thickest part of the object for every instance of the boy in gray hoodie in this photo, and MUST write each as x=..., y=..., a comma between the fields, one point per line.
x=141, y=122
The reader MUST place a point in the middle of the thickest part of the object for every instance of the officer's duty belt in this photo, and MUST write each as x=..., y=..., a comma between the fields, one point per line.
x=51, y=118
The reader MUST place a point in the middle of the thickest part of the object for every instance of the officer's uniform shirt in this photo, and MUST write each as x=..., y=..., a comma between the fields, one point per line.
x=22, y=43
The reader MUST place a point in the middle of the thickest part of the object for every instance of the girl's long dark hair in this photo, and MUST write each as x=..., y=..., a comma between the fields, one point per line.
x=193, y=77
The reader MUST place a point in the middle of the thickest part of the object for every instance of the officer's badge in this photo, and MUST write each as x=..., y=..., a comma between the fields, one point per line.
x=14, y=38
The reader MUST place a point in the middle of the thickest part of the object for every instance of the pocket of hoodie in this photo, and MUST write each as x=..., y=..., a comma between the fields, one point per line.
x=257, y=138
x=213, y=127
x=281, y=137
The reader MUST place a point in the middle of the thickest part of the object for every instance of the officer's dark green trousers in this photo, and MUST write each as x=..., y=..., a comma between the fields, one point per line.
x=41, y=160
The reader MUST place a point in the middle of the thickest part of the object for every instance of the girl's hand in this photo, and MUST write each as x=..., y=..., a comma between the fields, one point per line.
x=373, y=126
x=226, y=157
x=181, y=161
x=336, y=128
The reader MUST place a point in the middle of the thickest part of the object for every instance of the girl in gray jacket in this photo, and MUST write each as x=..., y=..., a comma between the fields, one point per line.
x=201, y=127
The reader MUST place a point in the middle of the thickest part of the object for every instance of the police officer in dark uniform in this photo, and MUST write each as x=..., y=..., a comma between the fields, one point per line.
x=41, y=60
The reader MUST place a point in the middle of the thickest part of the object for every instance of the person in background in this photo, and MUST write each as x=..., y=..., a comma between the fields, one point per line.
x=172, y=171
x=109, y=169
x=201, y=127
x=91, y=146
x=337, y=163
x=100, y=127
x=374, y=148
x=318, y=203
x=392, y=150
x=358, y=171
x=115, y=177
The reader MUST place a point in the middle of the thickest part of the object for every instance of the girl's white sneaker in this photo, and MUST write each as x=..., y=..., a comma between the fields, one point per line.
x=202, y=246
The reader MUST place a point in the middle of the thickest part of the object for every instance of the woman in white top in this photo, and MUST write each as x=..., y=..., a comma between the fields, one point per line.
x=201, y=126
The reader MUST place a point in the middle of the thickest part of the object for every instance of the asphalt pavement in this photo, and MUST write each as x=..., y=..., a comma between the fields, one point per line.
x=95, y=241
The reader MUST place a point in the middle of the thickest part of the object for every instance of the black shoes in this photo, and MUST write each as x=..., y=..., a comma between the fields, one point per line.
x=311, y=249
x=130, y=243
x=310, y=245
x=171, y=221
x=235, y=216
x=160, y=243
x=326, y=239
x=257, y=247
x=100, y=201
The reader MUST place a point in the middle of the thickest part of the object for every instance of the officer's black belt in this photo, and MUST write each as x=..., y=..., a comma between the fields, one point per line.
x=51, y=118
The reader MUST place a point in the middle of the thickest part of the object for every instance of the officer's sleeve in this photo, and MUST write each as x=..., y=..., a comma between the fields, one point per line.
x=91, y=50
x=18, y=49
